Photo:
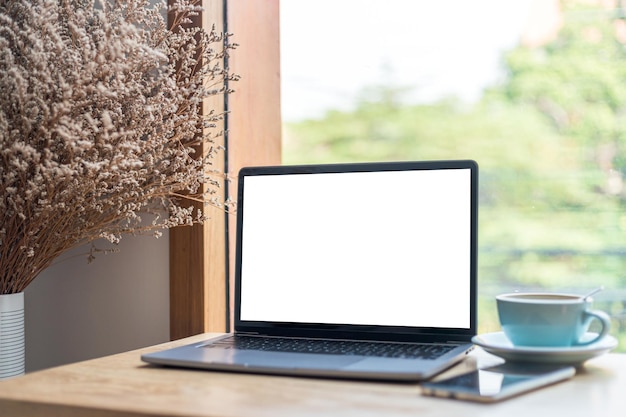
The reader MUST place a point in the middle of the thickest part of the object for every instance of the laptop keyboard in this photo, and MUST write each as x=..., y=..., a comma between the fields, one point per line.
x=341, y=347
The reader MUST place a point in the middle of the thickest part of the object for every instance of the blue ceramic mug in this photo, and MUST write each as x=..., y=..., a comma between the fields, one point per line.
x=545, y=319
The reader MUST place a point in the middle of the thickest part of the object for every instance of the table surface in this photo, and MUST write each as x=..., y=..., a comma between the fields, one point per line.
x=122, y=385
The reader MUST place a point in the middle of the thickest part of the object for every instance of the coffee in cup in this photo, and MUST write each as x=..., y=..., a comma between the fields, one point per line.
x=548, y=319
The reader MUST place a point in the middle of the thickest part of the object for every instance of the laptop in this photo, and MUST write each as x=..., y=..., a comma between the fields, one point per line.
x=363, y=271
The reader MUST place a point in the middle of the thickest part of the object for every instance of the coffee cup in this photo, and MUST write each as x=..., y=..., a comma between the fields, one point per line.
x=549, y=319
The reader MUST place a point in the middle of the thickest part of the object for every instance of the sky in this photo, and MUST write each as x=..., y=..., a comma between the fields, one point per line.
x=331, y=49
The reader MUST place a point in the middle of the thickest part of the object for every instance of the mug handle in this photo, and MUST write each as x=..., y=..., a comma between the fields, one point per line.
x=604, y=320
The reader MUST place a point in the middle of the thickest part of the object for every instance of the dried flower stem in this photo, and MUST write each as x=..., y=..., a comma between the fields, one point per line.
x=100, y=124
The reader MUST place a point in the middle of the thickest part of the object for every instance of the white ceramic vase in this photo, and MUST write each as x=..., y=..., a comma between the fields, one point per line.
x=12, y=341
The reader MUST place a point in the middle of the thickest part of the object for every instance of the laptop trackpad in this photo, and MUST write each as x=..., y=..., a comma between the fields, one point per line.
x=290, y=360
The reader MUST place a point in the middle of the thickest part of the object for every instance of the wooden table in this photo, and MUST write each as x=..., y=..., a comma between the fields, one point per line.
x=122, y=385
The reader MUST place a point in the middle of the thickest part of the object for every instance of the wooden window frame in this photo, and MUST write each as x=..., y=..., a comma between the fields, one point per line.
x=200, y=276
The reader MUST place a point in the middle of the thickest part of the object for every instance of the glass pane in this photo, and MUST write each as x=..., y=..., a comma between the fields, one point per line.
x=533, y=90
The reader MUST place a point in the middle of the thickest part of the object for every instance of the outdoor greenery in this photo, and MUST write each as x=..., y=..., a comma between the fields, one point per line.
x=550, y=142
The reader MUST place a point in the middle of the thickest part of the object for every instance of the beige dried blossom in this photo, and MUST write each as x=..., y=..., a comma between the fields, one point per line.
x=99, y=122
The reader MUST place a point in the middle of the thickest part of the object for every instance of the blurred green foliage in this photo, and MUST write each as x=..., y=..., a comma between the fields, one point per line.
x=550, y=142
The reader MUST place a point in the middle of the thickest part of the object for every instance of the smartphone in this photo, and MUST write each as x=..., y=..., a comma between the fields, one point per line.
x=498, y=382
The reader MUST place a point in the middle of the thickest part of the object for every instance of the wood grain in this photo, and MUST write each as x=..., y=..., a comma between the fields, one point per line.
x=122, y=385
x=200, y=256
x=254, y=120
x=197, y=254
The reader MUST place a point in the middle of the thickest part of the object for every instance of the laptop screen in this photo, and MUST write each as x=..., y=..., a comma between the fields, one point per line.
x=366, y=244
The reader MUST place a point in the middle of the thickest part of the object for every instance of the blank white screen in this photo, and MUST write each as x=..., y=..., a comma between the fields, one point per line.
x=370, y=248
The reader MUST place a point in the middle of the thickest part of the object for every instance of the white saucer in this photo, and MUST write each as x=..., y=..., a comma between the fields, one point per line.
x=498, y=344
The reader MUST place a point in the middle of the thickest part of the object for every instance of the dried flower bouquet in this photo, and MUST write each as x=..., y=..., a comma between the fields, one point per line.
x=100, y=123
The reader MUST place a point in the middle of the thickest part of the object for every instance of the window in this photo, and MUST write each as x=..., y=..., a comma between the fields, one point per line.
x=531, y=90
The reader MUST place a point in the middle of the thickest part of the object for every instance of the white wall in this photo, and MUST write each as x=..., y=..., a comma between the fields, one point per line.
x=76, y=311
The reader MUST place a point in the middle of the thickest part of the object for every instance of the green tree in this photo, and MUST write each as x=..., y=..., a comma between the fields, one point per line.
x=577, y=83
x=550, y=143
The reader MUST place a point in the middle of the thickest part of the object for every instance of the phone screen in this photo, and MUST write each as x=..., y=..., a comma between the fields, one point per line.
x=495, y=383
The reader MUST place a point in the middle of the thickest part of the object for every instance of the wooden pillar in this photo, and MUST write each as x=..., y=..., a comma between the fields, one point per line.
x=200, y=276
x=254, y=120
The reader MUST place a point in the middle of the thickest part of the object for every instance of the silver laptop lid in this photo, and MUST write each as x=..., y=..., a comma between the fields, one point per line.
x=383, y=251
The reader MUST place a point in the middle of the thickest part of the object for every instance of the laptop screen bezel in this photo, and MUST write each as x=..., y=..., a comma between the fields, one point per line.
x=392, y=333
